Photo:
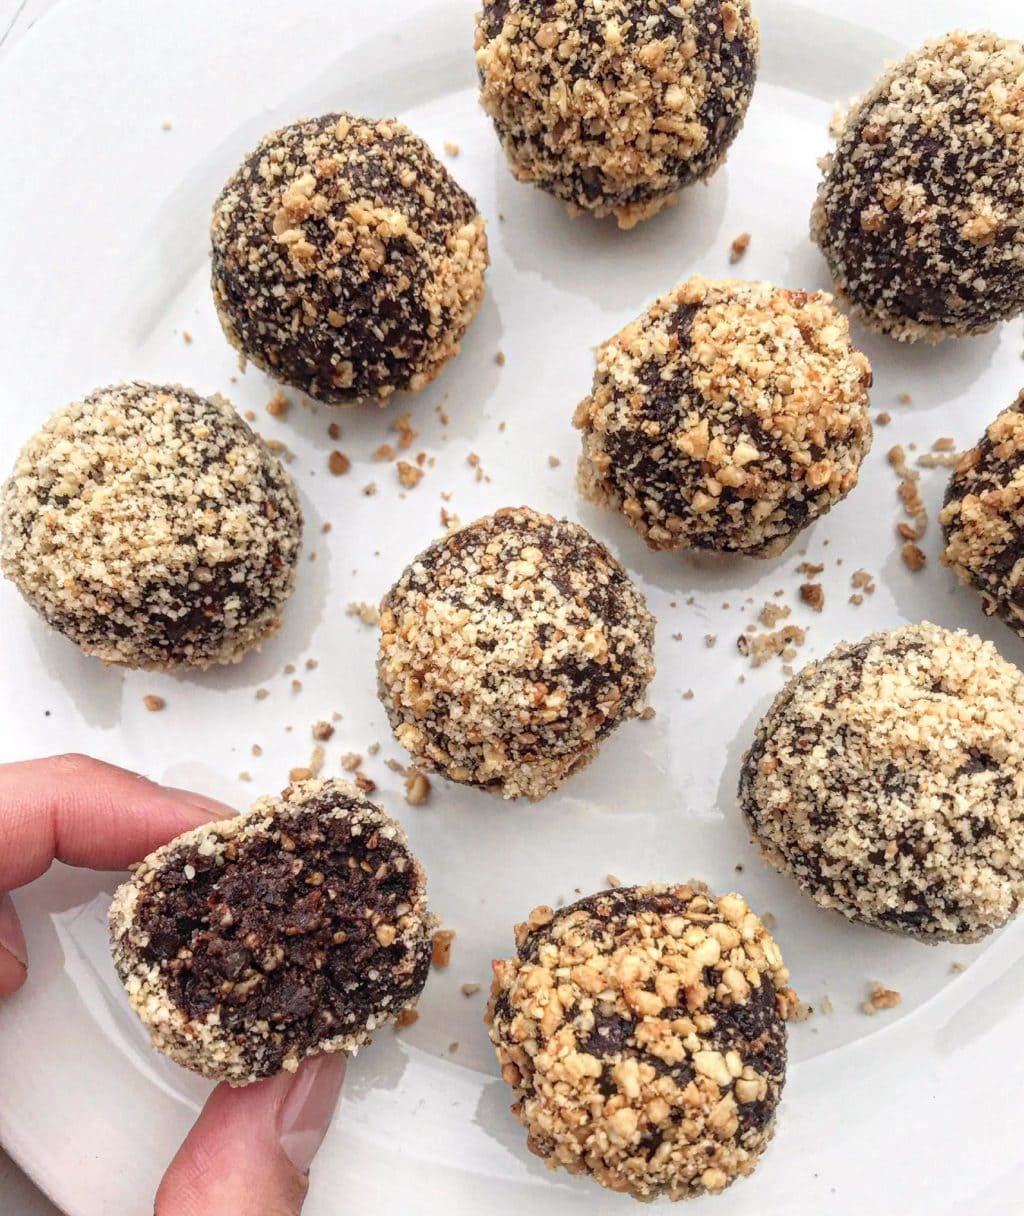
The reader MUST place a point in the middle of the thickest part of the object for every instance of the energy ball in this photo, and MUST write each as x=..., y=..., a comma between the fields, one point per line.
x=729, y=416
x=613, y=106
x=888, y=781
x=510, y=649
x=983, y=518
x=152, y=527
x=919, y=212
x=347, y=262
x=643, y=1032
x=297, y=928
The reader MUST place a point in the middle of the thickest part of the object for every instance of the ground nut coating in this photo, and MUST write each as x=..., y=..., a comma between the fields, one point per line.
x=510, y=649
x=643, y=1032
x=613, y=106
x=347, y=262
x=888, y=780
x=983, y=517
x=152, y=527
x=728, y=416
x=920, y=212
x=297, y=928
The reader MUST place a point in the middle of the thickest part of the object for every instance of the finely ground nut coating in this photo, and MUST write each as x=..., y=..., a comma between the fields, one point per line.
x=983, y=518
x=509, y=649
x=728, y=416
x=888, y=780
x=298, y=928
x=613, y=106
x=347, y=262
x=920, y=212
x=643, y=1032
x=152, y=527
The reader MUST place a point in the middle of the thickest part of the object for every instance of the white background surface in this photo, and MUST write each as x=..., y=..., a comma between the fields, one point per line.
x=124, y=271
x=18, y=1196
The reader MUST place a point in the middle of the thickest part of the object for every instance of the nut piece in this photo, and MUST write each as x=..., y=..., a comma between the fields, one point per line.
x=441, y=947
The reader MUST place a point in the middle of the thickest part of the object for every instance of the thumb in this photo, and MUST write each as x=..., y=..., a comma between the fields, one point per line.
x=250, y=1150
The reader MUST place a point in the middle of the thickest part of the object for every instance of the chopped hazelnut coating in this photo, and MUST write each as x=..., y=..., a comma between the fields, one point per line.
x=297, y=928
x=509, y=649
x=888, y=780
x=643, y=1032
x=728, y=416
x=152, y=527
x=347, y=262
x=919, y=212
x=983, y=518
x=613, y=106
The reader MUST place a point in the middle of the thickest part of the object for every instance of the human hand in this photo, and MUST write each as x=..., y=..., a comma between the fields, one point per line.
x=250, y=1150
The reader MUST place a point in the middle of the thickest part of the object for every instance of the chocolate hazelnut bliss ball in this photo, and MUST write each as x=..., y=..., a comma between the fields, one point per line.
x=888, y=780
x=152, y=527
x=983, y=518
x=297, y=928
x=728, y=417
x=613, y=106
x=510, y=650
x=347, y=262
x=643, y=1033
x=920, y=212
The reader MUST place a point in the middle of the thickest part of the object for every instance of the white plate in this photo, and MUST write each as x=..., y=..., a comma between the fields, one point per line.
x=104, y=218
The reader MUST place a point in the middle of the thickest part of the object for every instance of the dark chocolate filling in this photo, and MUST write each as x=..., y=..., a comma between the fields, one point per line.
x=285, y=933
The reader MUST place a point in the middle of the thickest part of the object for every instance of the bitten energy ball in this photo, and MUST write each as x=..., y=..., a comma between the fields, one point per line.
x=888, y=780
x=510, y=649
x=346, y=260
x=297, y=928
x=729, y=416
x=919, y=212
x=983, y=518
x=152, y=527
x=613, y=106
x=643, y=1032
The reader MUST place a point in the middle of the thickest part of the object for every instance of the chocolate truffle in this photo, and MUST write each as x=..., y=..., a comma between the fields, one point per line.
x=643, y=1032
x=510, y=649
x=152, y=527
x=920, y=208
x=983, y=518
x=613, y=106
x=888, y=780
x=297, y=928
x=346, y=260
x=728, y=416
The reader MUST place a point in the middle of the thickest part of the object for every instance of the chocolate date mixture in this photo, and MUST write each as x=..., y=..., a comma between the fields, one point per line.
x=298, y=928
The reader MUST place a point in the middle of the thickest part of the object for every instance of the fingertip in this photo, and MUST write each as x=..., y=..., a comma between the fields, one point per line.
x=13, y=955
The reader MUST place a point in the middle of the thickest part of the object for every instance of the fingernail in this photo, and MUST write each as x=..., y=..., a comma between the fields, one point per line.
x=308, y=1109
x=206, y=806
x=11, y=938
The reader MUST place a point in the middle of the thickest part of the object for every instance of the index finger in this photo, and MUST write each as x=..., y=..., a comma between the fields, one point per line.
x=87, y=813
